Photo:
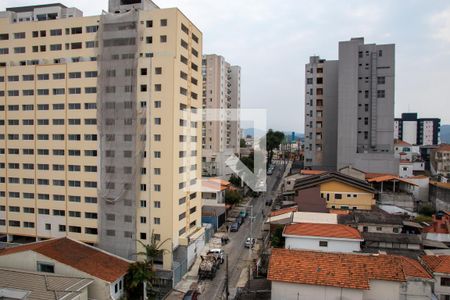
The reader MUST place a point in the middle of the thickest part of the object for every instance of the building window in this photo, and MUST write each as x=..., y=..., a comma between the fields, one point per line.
x=445, y=281
x=337, y=196
x=45, y=267
x=380, y=93
x=323, y=244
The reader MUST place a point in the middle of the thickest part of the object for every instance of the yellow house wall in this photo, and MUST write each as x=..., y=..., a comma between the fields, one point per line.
x=351, y=196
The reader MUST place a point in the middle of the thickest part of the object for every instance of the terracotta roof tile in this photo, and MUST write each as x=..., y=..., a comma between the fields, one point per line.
x=445, y=185
x=323, y=230
x=402, y=143
x=283, y=211
x=438, y=263
x=79, y=256
x=311, y=172
x=340, y=269
x=443, y=147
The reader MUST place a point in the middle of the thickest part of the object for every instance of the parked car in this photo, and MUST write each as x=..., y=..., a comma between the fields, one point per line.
x=234, y=227
x=240, y=220
x=243, y=213
x=269, y=202
x=191, y=295
x=219, y=253
x=250, y=242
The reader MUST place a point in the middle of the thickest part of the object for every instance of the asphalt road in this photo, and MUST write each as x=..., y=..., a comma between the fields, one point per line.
x=238, y=255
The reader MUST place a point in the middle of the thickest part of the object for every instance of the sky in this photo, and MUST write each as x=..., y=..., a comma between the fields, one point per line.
x=272, y=41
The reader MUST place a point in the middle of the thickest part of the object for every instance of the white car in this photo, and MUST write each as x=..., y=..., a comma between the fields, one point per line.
x=250, y=242
x=219, y=252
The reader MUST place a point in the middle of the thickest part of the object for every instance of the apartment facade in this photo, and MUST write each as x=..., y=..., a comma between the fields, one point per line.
x=359, y=91
x=221, y=91
x=417, y=131
x=320, y=114
x=100, y=123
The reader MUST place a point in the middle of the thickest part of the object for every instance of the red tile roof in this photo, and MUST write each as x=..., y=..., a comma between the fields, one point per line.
x=340, y=269
x=323, y=230
x=445, y=185
x=443, y=147
x=80, y=256
x=312, y=172
x=438, y=263
x=283, y=211
x=402, y=143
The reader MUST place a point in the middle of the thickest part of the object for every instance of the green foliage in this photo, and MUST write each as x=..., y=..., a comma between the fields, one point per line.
x=277, y=239
x=426, y=210
x=273, y=141
x=143, y=272
x=138, y=273
x=242, y=143
x=235, y=180
x=232, y=197
x=422, y=218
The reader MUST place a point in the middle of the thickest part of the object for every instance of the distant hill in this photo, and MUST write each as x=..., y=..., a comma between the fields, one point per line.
x=445, y=134
x=250, y=132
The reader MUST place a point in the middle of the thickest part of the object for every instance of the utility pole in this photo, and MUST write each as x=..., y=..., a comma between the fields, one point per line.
x=226, y=278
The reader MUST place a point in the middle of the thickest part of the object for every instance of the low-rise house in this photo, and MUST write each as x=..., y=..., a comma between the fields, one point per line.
x=213, y=191
x=393, y=190
x=374, y=221
x=381, y=241
x=439, y=230
x=289, y=181
x=340, y=191
x=68, y=257
x=440, y=195
x=354, y=172
x=313, y=217
x=439, y=267
x=440, y=160
x=322, y=237
x=319, y=275
x=17, y=284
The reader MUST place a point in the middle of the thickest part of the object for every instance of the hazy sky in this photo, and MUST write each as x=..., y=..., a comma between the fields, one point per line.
x=272, y=40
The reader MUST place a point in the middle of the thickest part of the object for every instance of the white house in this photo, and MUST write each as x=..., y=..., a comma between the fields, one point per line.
x=322, y=237
x=319, y=275
x=68, y=257
x=439, y=266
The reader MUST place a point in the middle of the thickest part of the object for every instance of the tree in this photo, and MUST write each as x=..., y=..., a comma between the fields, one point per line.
x=138, y=274
x=426, y=210
x=242, y=143
x=235, y=180
x=273, y=141
x=232, y=197
x=141, y=273
x=277, y=239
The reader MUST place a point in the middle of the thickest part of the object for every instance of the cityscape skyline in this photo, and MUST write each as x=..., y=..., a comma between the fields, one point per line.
x=302, y=33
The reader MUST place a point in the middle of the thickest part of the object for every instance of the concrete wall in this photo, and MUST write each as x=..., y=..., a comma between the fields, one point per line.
x=312, y=243
x=440, y=197
x=402, y=200
x=330, y=117
x=292, y=291
x=348, y=102
x=385, y=228
x=28, y=260
x=440, y=290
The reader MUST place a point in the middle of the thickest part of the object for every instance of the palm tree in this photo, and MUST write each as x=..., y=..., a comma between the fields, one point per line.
x=138, y=274
x=152, y=250
x=142, y=273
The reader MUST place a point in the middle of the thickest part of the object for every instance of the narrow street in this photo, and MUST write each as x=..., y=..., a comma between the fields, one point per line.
x=238, y=255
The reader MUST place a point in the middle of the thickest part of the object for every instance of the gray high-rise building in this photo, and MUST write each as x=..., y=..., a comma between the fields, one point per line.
x=350, y=111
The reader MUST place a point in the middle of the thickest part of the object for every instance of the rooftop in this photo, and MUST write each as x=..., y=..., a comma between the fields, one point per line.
x=401, y=143
x=315, y=180
x=78, y=255
x=445, y=185
x=314, y=217
x=322, y=230
x=283, y=211
x=376, y=216
x=40, y=285
x=443, y=147
x=438, y=263
x=311, y=172
x=401, y=238
x=341, y=270
x=18, y=9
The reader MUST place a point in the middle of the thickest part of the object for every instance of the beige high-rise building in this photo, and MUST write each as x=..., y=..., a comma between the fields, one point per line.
x=221, y=90
x=99, y=127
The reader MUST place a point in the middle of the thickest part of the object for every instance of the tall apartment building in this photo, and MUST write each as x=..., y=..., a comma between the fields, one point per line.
x=423, y=131
x=321, y=113
x=221, y=90
x=360, y=125
x=98, y=134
